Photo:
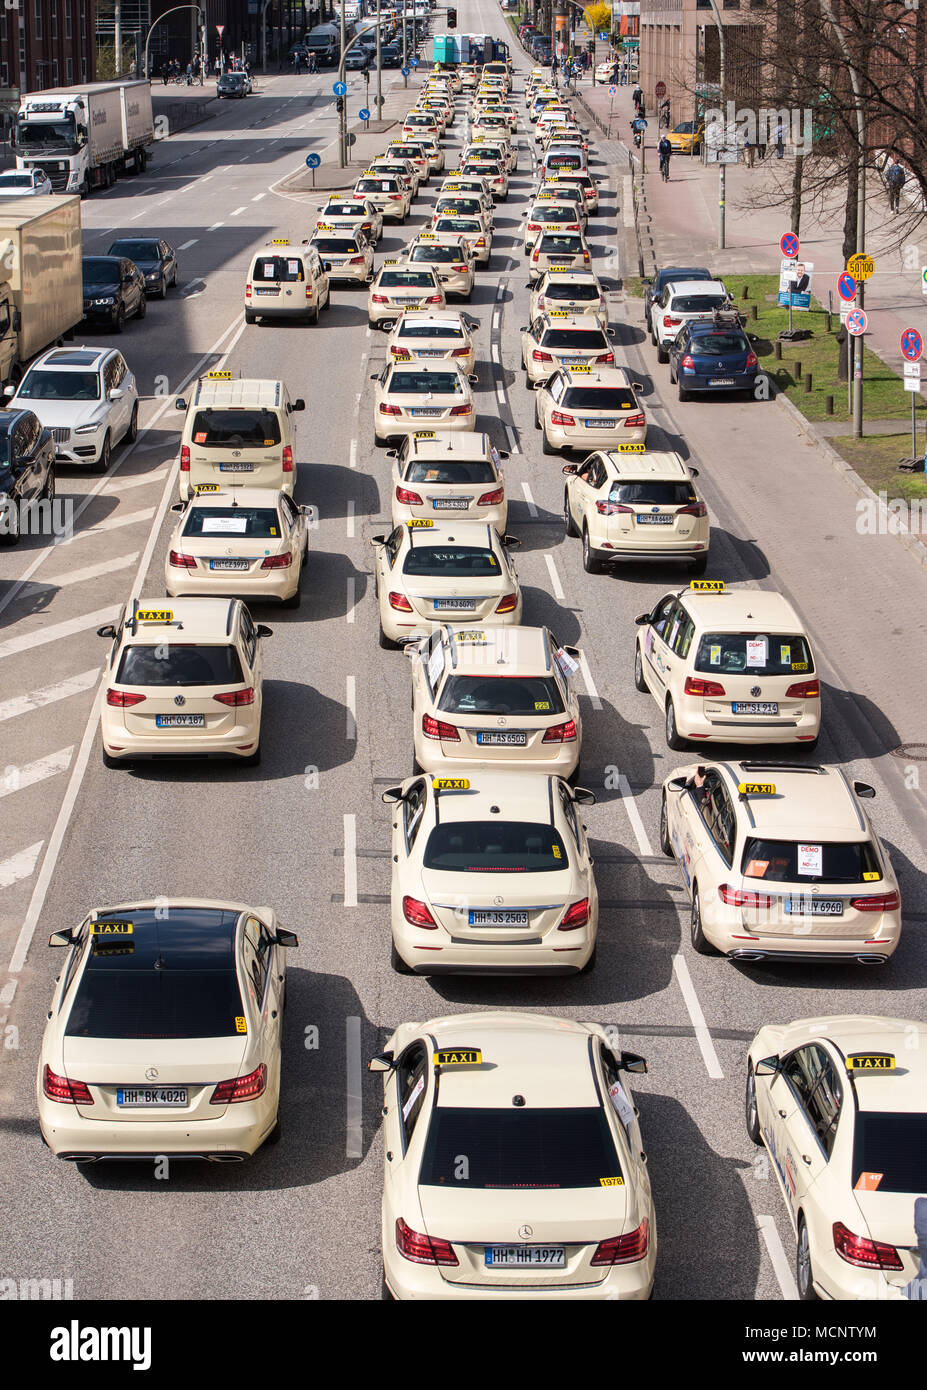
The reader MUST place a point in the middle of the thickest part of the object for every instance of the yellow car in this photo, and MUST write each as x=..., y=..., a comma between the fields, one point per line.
x=514, y=1162
x=440, y=475
x=780, y=863
x=398, y=286
x=495, y=698
x=839, y=1103
x=164, y=1033
x=588, y=408
x=252, y=543
x=686, y=137
x=183, y=676
x=432, y=335
x=411, y=395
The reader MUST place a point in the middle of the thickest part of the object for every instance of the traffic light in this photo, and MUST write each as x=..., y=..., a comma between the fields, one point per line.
x=339, y=105
x=452, y=19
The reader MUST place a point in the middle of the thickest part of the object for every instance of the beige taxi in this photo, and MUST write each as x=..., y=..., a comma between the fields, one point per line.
x=251, y=542
x=558, y=190
x=469, y=185
x=495, y=698
x=554, y=1202
x=491, y=874
x=432, y=572
x=492, y=149
x=398, y=286
x=410, y=395
x=183, y=677
x=238, y=432
x=729, y=666
x=495, y=174
x=555, y=247
x=577, y=291
x=348, y=255
x=414, y=153
x=631, y=505
x=354, y=215
x=449, y=257
x=780, y=862
x=560, y=339
x=589, y=408
x=419, y=123
x=434, y=151
x=432, y=335
x=579, y=179
x=286, y=280
x=440, y=475
x=546, y=214
x=461, y=205
x=476, y=232
x=386, y=193
x=839, y=1103
x=402, y=169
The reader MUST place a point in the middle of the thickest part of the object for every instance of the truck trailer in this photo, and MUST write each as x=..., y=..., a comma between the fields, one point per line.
x=87, y=136
x=41, y=280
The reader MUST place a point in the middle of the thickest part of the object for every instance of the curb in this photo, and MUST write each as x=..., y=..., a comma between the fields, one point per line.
x=862, y=489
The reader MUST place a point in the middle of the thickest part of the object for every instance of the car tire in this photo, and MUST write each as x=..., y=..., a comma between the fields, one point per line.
x=49, y=490
x=751, y=1114
x=662, y=354
x=804, y=1275
x=674, y=739
x=111, y=762
x=162, y=293
x=653, y=336
x=293, y=601
x=142, y=309
x=665, y=842
x=700, y=564
x=313, y=315
x=592, y=562
x=11, y=536
x=131, y=433
x=639, y=682
x=537, y=422
x=546, y=446
x=569, y=525
x=700, y=942
x=103, y=462
x=250, y=316
x=397, y=962
x=119, y=322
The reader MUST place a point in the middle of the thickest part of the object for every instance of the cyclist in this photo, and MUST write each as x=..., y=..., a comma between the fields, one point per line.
x=664, y=150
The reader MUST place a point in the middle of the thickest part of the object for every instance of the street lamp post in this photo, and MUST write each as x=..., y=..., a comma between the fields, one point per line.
x=379, y=68
x=263, y=37
x=722, y=167
x=405, y=64
x=173, y=10
x=343, y=118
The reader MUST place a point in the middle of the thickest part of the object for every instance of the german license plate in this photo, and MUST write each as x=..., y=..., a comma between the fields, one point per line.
x=572, y=361
x=181, y=721
x=599, y=424
x=429, y=352
x=480, y=917
x=450, y=504
x=721, y=381
x=661, y=519
x=229, y=564
x=461, y=605
x=504, y=740
x=236, y=467
x=813, y=907
x=407, y=301
x=512, y=1256
x=754, y=707
x=153, y=1097
x=430, y=411
x=260, y=291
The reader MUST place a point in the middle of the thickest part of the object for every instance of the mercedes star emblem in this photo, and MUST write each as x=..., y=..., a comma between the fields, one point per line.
x=525, y=1232
x=501, y=721
x=497, y=901
x=152, y=1074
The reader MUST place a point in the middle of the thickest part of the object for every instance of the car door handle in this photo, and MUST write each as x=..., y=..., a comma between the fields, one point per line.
x=389, y=1155
x=806, y=1159
x=273, y=1013
x=643, y=1156
x=782, y=1114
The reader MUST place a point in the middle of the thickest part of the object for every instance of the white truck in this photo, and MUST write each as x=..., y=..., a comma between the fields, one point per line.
x=41, y=280
x=85, y=137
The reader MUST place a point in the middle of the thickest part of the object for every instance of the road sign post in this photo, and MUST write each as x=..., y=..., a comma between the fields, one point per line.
x=364, y=115
x=912, y=345
x=312, y=162
x=862, y=267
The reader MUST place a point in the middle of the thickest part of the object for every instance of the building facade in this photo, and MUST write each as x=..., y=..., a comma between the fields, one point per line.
x=680, y=46
x=46, y=43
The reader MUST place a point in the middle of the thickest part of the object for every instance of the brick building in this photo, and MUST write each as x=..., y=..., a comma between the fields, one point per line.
x=46, y=43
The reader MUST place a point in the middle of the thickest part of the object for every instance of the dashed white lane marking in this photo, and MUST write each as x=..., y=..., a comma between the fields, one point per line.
x=500, y=291
x=559, y=595
x=136, y=217
x=187, y=244
x=532, y=505
x=215, y=226
x=500, y=393
x=257, y=197
x=61, y=581
x=496, y=354
x=15, y=779
x=354, y=1112
x=634, y=816
x=352, y=454
x=352, y=599
x=237, y=212
x=590, y=683
x=350, y=520
x=350, y=861
x=21, y=865
x=702, y=1035
x=24, y=643
x=510, y=440
x=350, y=719
x=778, y=1258
x=49, y=694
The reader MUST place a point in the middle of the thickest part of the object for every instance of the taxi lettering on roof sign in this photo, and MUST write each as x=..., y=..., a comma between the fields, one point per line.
x=424, y=434
x=206, y=487
x=573, y=370
x=111, y=928
x=630, y=448
x=870, y=1061
x=427, y=236
x=241, y=1025
x=707, y=586
x=324, y=227
x=154, y=615
x=451, y=784
x=458, y=1057
x=471, y=634
x=416, y=522
x=552, y=227
x=219, y=376
x=557, y=314
x=756, y=788
x=393, y=260
x=280, y=241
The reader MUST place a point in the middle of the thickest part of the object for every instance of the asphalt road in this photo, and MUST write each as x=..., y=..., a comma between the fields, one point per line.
x=307, y=832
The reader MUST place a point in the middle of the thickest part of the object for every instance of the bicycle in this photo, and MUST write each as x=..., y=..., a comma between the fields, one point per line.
x=664, y=168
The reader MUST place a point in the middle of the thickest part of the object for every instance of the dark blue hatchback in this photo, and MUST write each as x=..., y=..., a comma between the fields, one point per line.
x=712, y=357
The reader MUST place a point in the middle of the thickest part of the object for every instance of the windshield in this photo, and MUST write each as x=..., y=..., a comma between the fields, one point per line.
x=495, y=847
x=16, y=181
x=524, y=696
x=583, y=294
x=277, y=268
x=415, y=279
x=343, y=210
x=598, y=398
x=48, y=135
x=711, y=344
x=429, y=330
x=782, y=861
x=653, y=493
x=182, y=663
x=256, y=523
x=474, y=471
x=519, y=1149
x=101, y=272
x=42, y=385
x=893, y=1145
x=410, y=383
x=730, y=653
x=574, y=339
x=462, y=561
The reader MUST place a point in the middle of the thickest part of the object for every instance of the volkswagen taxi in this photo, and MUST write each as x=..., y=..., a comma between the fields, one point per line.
x=432, y=335
x=560, y=339
x=348, y=255
x=402, y=169
x=589, y=407
x=410, y=395
x=238, y=432
x=414, y=154
x=352, y=215
x=584, y=180
x=398, y=286
x=286, y=280
x=553, y=246
x=839, y=1104
x=780, y=862
x=554, y=1199
x=438, y=475
x=475, y=232
x=252, y=542
x=418, y=123
x=183, y=677
x=450, y=257
x=729, y=666
x=386, y=193
x=577, y=291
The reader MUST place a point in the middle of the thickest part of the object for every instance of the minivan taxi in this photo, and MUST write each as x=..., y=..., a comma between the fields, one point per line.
x=286, y=280
x=238, y=433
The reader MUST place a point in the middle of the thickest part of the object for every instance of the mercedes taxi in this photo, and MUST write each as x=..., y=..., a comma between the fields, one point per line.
x=587, y=408
x=474, y=232
x=561, y=339
x=450, y=257
x=469, y=186
x=436, y=475
x=386, y=193
x=398, y=286
x=576, y=291
x=555, y=248
x=252, y=542
x=414, y=153
x=547, y=213
x=352, y=215
x=432, y=334
x=411, y=394
x=348, y=255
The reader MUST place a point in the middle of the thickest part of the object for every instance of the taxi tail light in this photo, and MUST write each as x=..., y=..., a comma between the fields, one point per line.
x=379, y=299
x=181, y=561
x=623, y=1250
x=696, y=686
x=804, y=690
x=421, y=1249
x=461, y=352
x=585, y=255
x=877, y=902
x=461, y=409
x=436, y=728
x=866, y=1253
x=247, y=291
x=558, y=418
x=573, y=227
x=688, y=361
x=308, y=291
x=539, y=356
x=606, y=357
x=507, y=604
x=357, y=260
x=460, y=270
x=541, y=301
x=561, y=733
x=480, y=242
x=240, y=1088
x=399, y=602
x=635, y=422
x=387, y=409
x=122, y=699
x=738, y=897
x=184, y=459
x=398, y=351
x=434, y=299
x=612, y=508
x=411, y=499
x=287, y=458
x=692, y=509
x=576, y=915
x=417, y=913
x=63, y=1089
x=278, y=562
x=395, y=197
x=750, y=362
x=490, y=499
x=534, y=226
x=236, y=697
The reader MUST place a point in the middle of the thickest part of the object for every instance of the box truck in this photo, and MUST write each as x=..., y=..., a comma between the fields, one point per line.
x=41, y=280
x=85, y=137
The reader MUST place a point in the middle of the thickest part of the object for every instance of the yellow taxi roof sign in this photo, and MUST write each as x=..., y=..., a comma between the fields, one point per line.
x=280, y=241
x=111, y=928
x=630, y=448
x=870, y=1061
x=417, y=523
x=756, y=788
x=472, y=634
x=451, y=784
x=573, y=371
x=220, y=376
x=557, y=314
x=458, y=1057
x=707, y=586
x=154, y=615
x=424, y=434
x=324, y=227
x=206, y=487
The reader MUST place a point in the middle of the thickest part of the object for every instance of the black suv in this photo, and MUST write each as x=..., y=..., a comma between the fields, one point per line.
x=114, y=290
x=27, y=468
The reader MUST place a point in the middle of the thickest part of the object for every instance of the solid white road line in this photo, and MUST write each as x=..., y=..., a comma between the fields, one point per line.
x=702, y=1035
x=352, y=599
x=778, y=1258
x=350, y=861
x=559, y=595
x=354, y=1113
x=350, y=719
x=350, y=520
x=187, y=244
x=49, y=694
x=60, y=581
x=21, y=865
x=16, y=779
x=590, y=683
x=27, y=640
x=532, y=505
x=637, y=825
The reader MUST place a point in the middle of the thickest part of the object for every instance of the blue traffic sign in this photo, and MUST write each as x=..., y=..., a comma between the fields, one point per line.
x=413, y=62
x=340, y=88
x=846, y=286
x=857, y=322
x=788, y=245
x=313, y=161
x=364, y=114
x=912, y=345
x=405, y=72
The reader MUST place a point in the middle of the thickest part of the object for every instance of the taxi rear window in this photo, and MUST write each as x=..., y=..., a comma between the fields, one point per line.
x=543, y=212
x=425, y=383
x=233, y=429
x=471, y=207
x=727, y=653
x=495, y=847
x=579, y=339
x=475, y=471
x=564, y=161
x=257, y=523
x=519, y=695
x=377, y=185
x=655, y=493
x=418, y=279
x=581, y=293
x=599, y=398
x=453, y=561
x=894, y=1146
x=776, y=861
x=278, y=268
x=179, y=663
x=341, y=210
x=458, y=224
x=561, y=241
x=519, y=1149
x=411, y=329
x=442, y=254
x=338, y=244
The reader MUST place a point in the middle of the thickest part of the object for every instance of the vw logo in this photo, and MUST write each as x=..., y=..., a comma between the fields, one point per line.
x=152, y=1074
x=180, y=700
x=525, y=1232
x=755, y=690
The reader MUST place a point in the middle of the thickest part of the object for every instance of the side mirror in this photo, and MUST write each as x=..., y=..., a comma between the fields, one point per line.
x=610, y=332
x=767, y=1066
x=180, y=403
x=326, y=265
x=568, y=468
x=178, y=506
x=107, y=631
x=264, y=631
x=583, y=796
x=392, y=795
x=378, y=540
x=676, y=784
x=473, y=379
x=375, y=376
x=637, y=385
x=17, y=320
x=383, y=1061
x=62, y=938
x=574, y=652
x=642, y=619
x=508, y=540
x=693, y=472
x=116, y=394
x=299, y=403
x=286, y=938
x=631, y=1061
x=503, y=453
x=9, y=391
x=863, y=789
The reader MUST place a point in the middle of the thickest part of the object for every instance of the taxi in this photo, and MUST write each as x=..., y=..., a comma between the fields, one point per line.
x=439, y=106
x=461, y=205
x=435, y=475
x=544, y=214
x=418, y=123
x=286, y=281
x=839, y=1103
x=400, y=169
x=549, y=119
x=430, y=572
x=583, y=180
x=499, y=72
x=183, y=677
x=397, y=286
x=631, y=505
x=348, y=255
x=434, y=152
x=238, y=432
x=492, y=149
x=588, y=408
x=252, y=542
x=386, y=193
x=413, y=153
x=577, y=291
x=555, y=247
x=729, y=666
x=491, y=874
x=780, y=862
x=493, y=171
x=469, y=185
x=493, y=121
x=163, y=1036
x=495, y=697
x=554, y=1202
x=432, y=335
x=354, y=215
x=560, y=339
x=411, y=395
x=474, y=231
x=556, y=192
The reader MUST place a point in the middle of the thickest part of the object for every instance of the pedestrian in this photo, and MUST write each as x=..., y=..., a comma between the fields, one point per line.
x=895, y=180
x=637, y=96
x=749, y=151
x=665, y=113
x=313, y=63
x=761, y=140
x=642, y=109
x=296, y=62
x=780, y=138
